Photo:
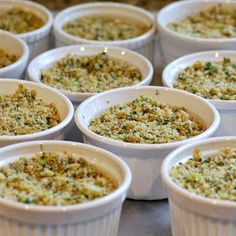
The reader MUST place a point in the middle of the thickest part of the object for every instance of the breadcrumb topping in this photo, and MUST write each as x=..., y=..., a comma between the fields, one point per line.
x=22, y=113
x=18, y=20
x=211, y=175
x=105, y=28
x=216, y=22
x=90, y=74
x=7, y=59
x=145, y=120
x=49, y=178
x=211, y=80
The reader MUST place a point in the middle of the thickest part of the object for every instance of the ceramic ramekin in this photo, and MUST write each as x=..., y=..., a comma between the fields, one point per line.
x=51, y=57
x=15, y=46
x=174, y=44
x=144, y=160
x=98, y=217
x=48, y=95
x=226, y=108
x=142, y=44
x=193, y=214
x=37, y=40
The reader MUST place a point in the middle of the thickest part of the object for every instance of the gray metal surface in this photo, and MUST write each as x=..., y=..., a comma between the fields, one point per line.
x=145, y=218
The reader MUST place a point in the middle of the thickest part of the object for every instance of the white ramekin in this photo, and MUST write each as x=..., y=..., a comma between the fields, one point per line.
x=51, y=57
x=15, y=46
x=174, y=44
x=142, y=44
x=48, y=95
x=144, y=160
x=98, y=217
x=38, y=40
x=226, y=108
x=193, y=214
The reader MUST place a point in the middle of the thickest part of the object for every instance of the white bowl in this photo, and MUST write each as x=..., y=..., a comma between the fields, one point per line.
x=98, y=217
x=15, y=46
x=144, y=160
x=48, y=95
x=38, y=40
x=193, y=214
x=51, y=57
x=226, y=108
x=174, y=44
x=142, y=44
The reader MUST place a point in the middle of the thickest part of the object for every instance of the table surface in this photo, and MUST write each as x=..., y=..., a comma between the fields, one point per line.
x=145, y=218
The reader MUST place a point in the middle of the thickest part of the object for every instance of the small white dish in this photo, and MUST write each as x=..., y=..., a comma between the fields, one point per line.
x=192, y=214
x=226, y=108
x=98, y=217
x=51, y=57
x=38, y=40
x=13, y=45
x=144, y=160
x=143, y=44
x=174, y=44
x=48, y=95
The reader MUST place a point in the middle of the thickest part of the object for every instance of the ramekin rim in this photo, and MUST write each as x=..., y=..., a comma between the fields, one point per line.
x=24, y=57
x=78, y=39
x=48, y=24
x=183, y=37
x=185, y=193
x=112, y=142
x=123, y=187
x=192, y=55
x=80, y=94
x=49, y=131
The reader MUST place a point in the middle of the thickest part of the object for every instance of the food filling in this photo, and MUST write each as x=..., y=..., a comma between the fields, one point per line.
x=18, y=20
x=105, y=28
x=23, y=113
x=7, y=59
x=50, y=178
x=216, y=22
x=90, y=74
x=211, y=80
x=145, y=120
x=211, y=175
